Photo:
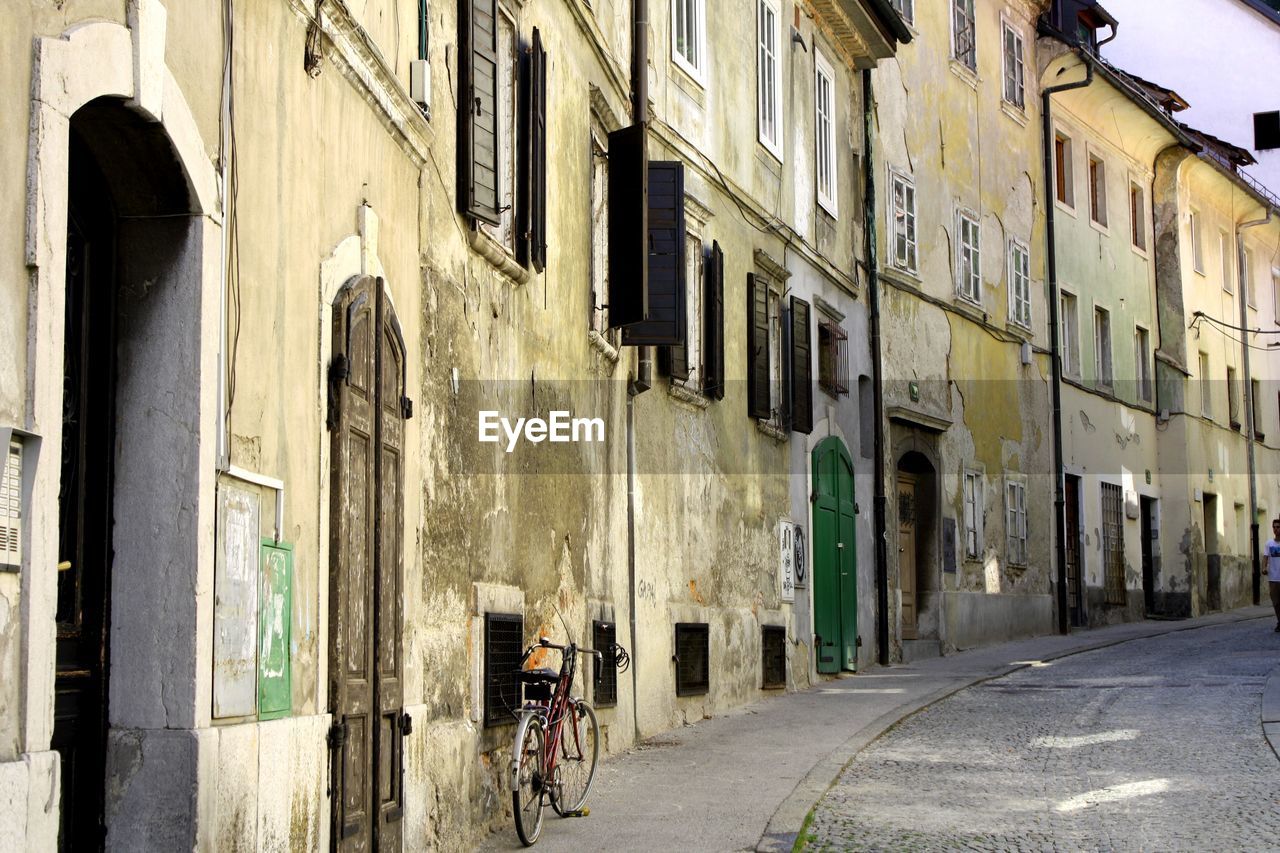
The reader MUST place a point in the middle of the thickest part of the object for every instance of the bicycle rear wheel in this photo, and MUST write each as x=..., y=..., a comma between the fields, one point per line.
x=528, y=789
x=579, y=749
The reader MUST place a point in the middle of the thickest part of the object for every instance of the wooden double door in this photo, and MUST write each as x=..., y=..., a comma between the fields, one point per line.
x=367, y=411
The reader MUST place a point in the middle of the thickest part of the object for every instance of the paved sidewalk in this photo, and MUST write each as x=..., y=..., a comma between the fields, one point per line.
x=746, y=780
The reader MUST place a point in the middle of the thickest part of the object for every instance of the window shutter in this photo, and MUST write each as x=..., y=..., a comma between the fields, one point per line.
x=628, y=226
x=664, y=320
x=757, y=347
x=713, y=325
x=532, y=240
x=477, y=111
x=801, y=367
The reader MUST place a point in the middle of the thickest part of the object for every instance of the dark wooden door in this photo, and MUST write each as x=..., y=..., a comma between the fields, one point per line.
x=85, y=504
x=1075, y=591
x=1150, y=530
x=368, y=407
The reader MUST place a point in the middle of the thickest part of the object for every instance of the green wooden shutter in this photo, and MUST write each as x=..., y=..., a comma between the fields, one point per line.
x=801, y=367
x=478, y=195
x=713, y=325
x=628, y=226
x=531, y=247
x=664, y=321
x=757, y=347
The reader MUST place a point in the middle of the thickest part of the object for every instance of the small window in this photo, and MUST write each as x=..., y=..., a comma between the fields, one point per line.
x=1197, y=246
x=503, y=645
x=1138, y=216
x=1113, y=542
x=973, y=507
x=903, y=226
x=1102, y=347
x=824, y=131
x=1246, y=273
x=1266, y=131
x=1014, y=68
x=833, y=358
x=504, y=231
x=1016, y=523
x=907, y=9
x=1142, y=359
x=693, y=659
x=11, y=506
x=769, y=76
x=969, y=261
x=1019, y=284
x=773, y=656
x=599, y=236
x=1224, y=249
x=1233, y=399
x=1064, y=190
x=963, y=35
x=604, y=639
x=1255, y=400
x=688, y=36
x=1206, y=398
x=1098, y=191
x=1069, y=334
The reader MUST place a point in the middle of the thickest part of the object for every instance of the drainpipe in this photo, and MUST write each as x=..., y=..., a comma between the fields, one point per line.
x=1055, y=346
x=877, y=375
x=1250, y=437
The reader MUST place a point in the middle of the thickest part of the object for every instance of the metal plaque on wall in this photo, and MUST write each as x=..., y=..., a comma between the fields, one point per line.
x=786, y=561
x=949, y=545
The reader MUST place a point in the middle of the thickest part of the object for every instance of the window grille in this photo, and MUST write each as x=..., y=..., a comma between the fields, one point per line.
x=773, y=656
x=1113, y=542
x=604, y=637
x=503, y=645
x=962, y=27
x=692, y=659
x=833, y=358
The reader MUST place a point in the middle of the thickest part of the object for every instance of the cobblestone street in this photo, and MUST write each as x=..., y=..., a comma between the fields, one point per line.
x=1149, y=744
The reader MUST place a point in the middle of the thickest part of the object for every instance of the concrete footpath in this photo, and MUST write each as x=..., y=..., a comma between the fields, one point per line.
x=746, y=780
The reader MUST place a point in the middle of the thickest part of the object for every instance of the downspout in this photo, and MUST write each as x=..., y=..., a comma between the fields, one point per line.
x=880, y=501
x=1250, y=436
x=1055, y=345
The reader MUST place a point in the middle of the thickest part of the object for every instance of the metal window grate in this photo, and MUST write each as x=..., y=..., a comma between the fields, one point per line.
x=833, y=358
x=1113, y=542
x=773, y=656
x=604, y=638
x=503, y=645
x=692, y=659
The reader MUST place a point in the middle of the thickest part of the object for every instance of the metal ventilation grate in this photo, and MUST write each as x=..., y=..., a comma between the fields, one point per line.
x=604, y=636
x=503, y=645
x=773, y=656
x=692, y=659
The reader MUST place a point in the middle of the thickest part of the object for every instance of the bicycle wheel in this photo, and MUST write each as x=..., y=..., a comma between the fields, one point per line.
x=527, y=784
x=579, y=749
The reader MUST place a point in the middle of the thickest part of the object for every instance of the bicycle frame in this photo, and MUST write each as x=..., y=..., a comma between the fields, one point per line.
x=553, y=712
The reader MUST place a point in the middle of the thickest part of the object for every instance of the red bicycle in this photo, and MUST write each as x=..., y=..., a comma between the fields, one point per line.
x=556, y=746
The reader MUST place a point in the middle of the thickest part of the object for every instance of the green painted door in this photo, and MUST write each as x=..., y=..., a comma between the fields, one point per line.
x=835, y=564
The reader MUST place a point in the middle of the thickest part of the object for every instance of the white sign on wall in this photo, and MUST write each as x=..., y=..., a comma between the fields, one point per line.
x=786, y=559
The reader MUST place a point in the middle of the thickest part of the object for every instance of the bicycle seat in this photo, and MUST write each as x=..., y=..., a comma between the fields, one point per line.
x=539, y=676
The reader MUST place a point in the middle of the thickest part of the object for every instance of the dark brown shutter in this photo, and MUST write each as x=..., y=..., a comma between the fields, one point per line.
x=531, y=247
x=713, y=325
x=674, y=359
x=665, y=320
x=478, y=195
x=628, y=226
x=801, y=367
x=757, y=347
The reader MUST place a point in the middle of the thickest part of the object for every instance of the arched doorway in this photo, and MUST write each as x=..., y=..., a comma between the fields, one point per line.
x=835, y=564
x=917, y=558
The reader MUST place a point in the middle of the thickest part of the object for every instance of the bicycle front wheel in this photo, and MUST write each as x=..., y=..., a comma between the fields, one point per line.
x=528, y=786
x=579, y=749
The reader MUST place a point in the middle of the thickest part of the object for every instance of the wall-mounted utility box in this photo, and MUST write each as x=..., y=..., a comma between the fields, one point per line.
x=420, y=83
x=275, y=609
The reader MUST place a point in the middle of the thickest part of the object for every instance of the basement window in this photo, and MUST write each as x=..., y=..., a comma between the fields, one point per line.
x=604, y=639
x=503, y=645
x=773, y=657
x=693, y=658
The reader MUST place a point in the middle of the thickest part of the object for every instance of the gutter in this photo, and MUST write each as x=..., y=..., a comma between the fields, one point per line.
x=1250, y=434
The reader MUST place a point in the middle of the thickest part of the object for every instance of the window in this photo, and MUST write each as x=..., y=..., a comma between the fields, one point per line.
x=1016, y=523
x=1266, y=130
x=1019, y=284
x=973, y=507
x=504, y=230
x=1098, y=191
x=480, y=59
x=1197, y=247
x=600, y=237
x=906, y=8
x=1069, y=334
x=693, y=659
x=1142, y=359
x=833, y=358
x=969, y=261
x=684, y=362
x=1255, y=406
x=11, y=506
x=1113, y=542
x=963, y=39
x=1014, y=69
x=769, y=76
x=903, y=225
x=1137, y=216
x=1064, y=189
x=1233, y=399
x=1206, y=399
x=503, y=645
x=1246, y=273
x=1224, y=249
x=604, y=639
x=1102, y=347
x=773, y=656
x=824, y=131
x=689, y=36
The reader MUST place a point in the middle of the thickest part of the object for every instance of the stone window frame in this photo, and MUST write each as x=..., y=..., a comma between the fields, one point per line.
x=1019, y=300
x=968, y=242
x=973, y=489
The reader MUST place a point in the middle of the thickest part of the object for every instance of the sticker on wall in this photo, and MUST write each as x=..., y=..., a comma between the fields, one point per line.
x=275, y=676
x=786, y=562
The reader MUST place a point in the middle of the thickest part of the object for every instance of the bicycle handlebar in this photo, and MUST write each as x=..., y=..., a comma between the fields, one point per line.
x=544, y=643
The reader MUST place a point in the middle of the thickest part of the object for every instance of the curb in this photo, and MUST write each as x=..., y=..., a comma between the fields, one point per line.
x=784, y=828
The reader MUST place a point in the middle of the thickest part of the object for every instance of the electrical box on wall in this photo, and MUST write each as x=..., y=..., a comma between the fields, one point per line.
x=420, y=83
x=11, y=506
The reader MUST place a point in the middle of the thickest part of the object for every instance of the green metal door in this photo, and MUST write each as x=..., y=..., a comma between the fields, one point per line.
x=835, y=564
